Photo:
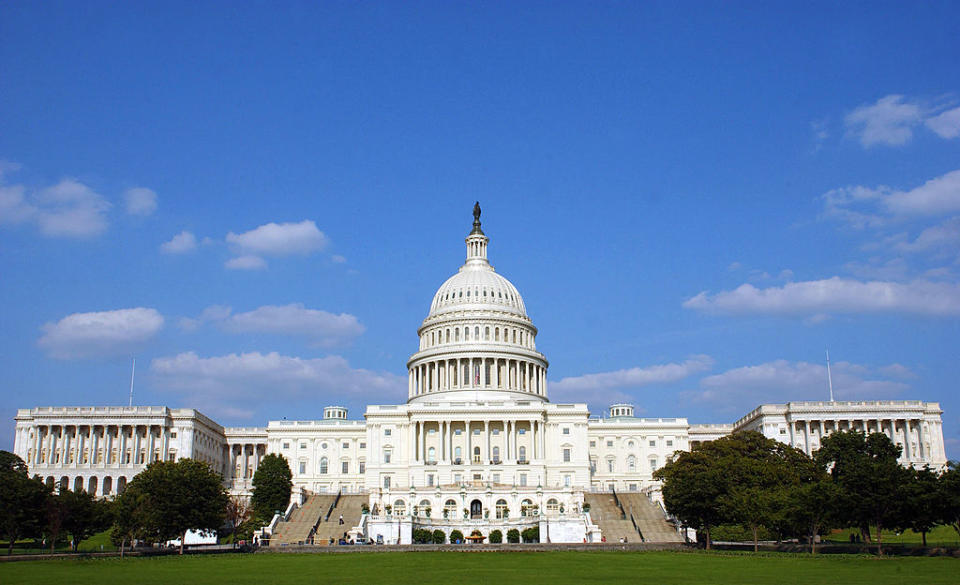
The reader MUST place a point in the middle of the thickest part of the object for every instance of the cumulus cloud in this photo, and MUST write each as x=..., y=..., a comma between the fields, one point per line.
x=180, y=244
x=739, y=389
x=834, y=295
x=891, y=121
x=945, y=236
x=256, y=377
x=100, y=334
x=945, y=124
x=280, y=239
x=140, y=201
x=67, y=209
x=937, y=196
x=248, y=262
x=606, y=387
x=322, y=328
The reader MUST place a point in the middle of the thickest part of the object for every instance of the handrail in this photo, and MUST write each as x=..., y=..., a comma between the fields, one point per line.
x=333, y=505
x=616, y=500
x=637, y=528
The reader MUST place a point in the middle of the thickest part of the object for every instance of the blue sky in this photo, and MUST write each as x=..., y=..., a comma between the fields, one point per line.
x=258, y=201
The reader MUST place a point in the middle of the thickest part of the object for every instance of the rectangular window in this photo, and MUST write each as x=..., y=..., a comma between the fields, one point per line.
x=496, y=478
x=495, y=431
x=669, y=443
x=566, y=430
x=386, y=432
x=173, y=435
x=653, y=465
x=458, y=432
x=303, y=445
x=286, y=445
x=477, y=477
x=386, y=456
x=523, y=480
x=430, y=480
x=476, y=431
x=633, y=487
x=386, y=482
x=346, y=446
x=653, y=443
x=345, y=467
x=566, y=480
x=609, y=443
x=593, y=443
x=303, y=467
x=363, y=467
x=521, y=431
x=566, y=455
x=363, y=445
x=457, y=478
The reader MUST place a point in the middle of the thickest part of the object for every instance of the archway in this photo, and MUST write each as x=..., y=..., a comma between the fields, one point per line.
x=476, y=509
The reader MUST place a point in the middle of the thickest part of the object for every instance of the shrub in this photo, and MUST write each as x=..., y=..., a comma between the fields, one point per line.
x=422, y=536
x=456, y=537
x=496, y=537
x=531, y=534
x=586, y=508
x=439, y=537
x=513, y=535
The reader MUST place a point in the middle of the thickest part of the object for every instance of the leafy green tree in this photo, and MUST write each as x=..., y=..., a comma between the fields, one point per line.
x=169, y=499
x=811, y=506
x=920, y=502
x=439, y=537
x=948, y=492
x=871, y=480
x=78, y=514
x=272, y=484
x=456, y=536
x=531, y=534
x=22, y=501
x=496, y=537
x=513, y=536
x=693, y=483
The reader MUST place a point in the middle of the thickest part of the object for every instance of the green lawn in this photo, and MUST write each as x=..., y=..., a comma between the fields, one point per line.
x=446, y=568
x=941, y=535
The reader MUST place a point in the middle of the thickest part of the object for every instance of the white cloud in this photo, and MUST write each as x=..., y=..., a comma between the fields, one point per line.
x=280, y=239
x=248, y=262
x=897, y=371
x=834, y=295
x=140, y=201
x=100, y=334
x=322, y=328
x=939, y=237
x=338, y=259
x=602, y=388
x=945, y=124
x=180, y=244
x=254, y=377
x=739, y=389
x=937, y=196
x=889, y=121
x=70, y=209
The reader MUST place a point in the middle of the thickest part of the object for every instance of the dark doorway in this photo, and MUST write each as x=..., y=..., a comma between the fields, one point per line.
x=476, y=509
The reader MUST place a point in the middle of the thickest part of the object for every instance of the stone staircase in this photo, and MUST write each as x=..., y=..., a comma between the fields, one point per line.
x=349, y=507
x=606, y=514
x=649, y=518
x=297, y=529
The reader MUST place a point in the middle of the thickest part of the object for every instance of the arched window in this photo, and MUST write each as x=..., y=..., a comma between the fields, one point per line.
x=323, y=466
x=466, y=334
x=107, y=485
x=476, y=333
x=432, y=454
x=526, y=507
x=423, y=507
x=496, y=334
x=448, y=336
x=486, y=334
x=630, y=444
x=476, y=454
x=450, y=506
x=553, y=505
x=501, y=509
x=456, y=334
x=399, y=508
x=523, y=453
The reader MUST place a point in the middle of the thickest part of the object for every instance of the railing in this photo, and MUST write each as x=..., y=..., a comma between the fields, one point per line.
x=332, y=506
x=637, y=528
x=616, y=500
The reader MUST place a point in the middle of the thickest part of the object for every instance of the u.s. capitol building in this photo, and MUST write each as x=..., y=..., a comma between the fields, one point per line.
x=477, y=444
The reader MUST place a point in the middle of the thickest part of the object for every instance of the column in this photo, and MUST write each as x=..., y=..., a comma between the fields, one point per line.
x=806, y=437
x=533, y=440
x=506, y=442
x=921, y=449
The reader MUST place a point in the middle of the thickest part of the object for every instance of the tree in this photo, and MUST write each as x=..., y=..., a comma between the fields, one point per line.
x=865, y=468
x=920, y=502
x=948, y=491
x=439, y=537
x=22, y=501
x=272, y=484
x=239, y=514
x=496, y=537
x=692, y=486
x=169, y=499
x=513, y=536
x=82, y=515
x=811, y=506
x=456, y=537
x=531, y=534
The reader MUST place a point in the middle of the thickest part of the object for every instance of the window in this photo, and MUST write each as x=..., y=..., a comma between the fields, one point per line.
x=386, y=432
x=630, y=444
x=386, y=455
x=450, y=507
x=609, y=443
x=363, y=467
x=521, y=431
x=653, y=443
x=363, y=445
x=653, y=464
x=633, y=487
x=303, y=467
x=457, y=478
x=430, y=480
x=501, y=508
x=486, y=332
x=346, y=445
x=457, y=454
x=566, y=480
x=476, y=431
x=399, y=508
x=523, y=480
x=386, y=482
x=323, y=465
x=495, y=431
x=523, y=453
x=593, y=465
x=458, y=432
x=345, y=467
x=496, y=453
x=553, y=505
x=632, y=463
x=566, y=430
x=496, y=478
x=669, y=443
x=593, y=443
x=476, y=454
x=303, y=445
x=566, y=455
x=611, y=465
x=432, y=455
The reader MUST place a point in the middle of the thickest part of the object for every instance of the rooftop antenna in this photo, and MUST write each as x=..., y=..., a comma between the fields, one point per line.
x=133, y=372
x=829, y=377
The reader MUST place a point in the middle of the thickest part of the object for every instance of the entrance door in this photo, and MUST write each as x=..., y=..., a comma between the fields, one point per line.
x=476, y=509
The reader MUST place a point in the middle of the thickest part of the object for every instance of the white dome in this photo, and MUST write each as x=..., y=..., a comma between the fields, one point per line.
x=476, y=287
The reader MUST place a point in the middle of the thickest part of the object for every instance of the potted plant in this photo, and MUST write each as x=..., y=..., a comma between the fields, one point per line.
x=426, y=511
x=388, y=508
x=364, y=509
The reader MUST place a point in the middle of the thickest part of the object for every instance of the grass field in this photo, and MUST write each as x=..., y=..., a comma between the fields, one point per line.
x=941, y=535
x=456, y=568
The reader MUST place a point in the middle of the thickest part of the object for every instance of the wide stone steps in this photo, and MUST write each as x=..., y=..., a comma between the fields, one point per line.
x=605, y=514
x=350, y=507
x=649, y=518
x=302, y=520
